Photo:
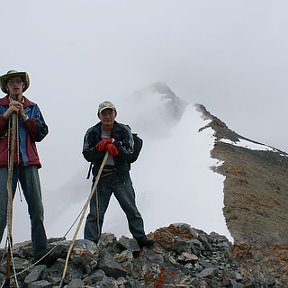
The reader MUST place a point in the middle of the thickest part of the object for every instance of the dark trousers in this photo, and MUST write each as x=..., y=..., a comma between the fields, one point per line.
x=29, y=178
x=123, y=190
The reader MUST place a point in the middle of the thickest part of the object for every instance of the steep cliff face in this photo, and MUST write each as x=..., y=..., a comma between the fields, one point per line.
x=255, y=199
x=255, y=192
x=255, y=186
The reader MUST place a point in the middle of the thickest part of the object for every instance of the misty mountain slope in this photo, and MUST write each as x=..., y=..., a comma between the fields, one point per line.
x=255, y=186
x=154, y=109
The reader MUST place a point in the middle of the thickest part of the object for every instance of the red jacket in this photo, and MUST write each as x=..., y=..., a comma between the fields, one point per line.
x=30, y=131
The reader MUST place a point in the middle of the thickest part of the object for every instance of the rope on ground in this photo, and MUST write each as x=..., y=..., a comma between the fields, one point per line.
x=82, y=217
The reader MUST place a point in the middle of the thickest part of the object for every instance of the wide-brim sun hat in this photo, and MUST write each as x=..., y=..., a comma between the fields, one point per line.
x=14, y=73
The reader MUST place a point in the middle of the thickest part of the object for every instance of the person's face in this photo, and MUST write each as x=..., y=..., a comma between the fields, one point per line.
x=107, y=117
x=15, y=86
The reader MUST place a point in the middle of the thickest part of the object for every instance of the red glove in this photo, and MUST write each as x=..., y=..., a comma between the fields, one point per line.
x=111, y=148
x=101, y=145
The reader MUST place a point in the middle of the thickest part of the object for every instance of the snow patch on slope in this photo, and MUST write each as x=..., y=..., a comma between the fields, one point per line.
x=249, y=145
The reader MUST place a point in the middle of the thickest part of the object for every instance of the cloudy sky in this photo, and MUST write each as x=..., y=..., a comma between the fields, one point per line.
x=230, y=56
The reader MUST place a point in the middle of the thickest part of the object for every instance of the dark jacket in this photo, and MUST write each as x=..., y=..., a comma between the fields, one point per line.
x=123, y=141
x=32, y=130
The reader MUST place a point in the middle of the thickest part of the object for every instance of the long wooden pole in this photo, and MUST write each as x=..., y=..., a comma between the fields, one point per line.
x=82, y=216
x=12, y=139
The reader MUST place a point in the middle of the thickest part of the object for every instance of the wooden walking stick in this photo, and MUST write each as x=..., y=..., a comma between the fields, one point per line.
x=82, y=216
x=11, y=145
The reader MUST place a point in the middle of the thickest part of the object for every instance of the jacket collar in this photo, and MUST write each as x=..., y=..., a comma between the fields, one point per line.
x=6, y=101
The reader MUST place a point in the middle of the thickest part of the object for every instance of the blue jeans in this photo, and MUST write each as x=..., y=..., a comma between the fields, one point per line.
x=29, y=178
x=125, y=195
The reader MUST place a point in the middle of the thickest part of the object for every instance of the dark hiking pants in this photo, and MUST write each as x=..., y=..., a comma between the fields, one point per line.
x=29, y=179
x=125, y=195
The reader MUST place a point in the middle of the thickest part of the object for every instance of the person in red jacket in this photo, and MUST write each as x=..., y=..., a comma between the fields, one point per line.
x=30, y=128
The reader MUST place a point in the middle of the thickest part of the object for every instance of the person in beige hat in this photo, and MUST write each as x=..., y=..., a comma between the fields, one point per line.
x=30, y=128
x=116, y=138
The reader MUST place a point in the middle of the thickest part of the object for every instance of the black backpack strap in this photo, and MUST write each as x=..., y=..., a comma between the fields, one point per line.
x=89, y=171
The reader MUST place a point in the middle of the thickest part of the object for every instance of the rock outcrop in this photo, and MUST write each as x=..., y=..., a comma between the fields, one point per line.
x=181, y=257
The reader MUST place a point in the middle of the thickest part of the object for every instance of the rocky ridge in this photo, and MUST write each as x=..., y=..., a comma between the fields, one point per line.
x=255, y=200
x=181, y=257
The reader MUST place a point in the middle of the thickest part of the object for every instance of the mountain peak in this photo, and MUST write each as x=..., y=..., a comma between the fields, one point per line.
x=161, y=109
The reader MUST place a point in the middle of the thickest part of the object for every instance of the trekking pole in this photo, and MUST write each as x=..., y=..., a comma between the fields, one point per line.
x=11, y=145
x=82, y=216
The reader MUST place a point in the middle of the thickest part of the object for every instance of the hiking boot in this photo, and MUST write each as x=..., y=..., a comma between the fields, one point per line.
x=145, y=241
x=43, y=258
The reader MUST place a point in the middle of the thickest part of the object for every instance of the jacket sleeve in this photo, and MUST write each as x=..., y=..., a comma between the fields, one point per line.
x=35, y=125
x=3, y=121
x=125, y=146
x=3, y=126
x=90, y=153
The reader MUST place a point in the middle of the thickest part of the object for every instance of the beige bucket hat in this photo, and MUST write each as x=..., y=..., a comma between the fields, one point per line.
x=14, y=73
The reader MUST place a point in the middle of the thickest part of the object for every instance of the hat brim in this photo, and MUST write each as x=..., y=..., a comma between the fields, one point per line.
x=23, y=75
x=105, y=108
